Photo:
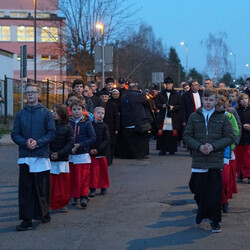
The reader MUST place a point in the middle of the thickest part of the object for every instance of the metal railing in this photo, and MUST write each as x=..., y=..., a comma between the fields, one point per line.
x=51, y=93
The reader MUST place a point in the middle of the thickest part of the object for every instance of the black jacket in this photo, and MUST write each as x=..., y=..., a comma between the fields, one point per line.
x=122, y=91
x=112, y=119
x=97, y=102
x=64, y=141
x=135, y=108
x=102, y=138
x=187, y=105
x=244, y=114
x=174, y=100
x=117, y=102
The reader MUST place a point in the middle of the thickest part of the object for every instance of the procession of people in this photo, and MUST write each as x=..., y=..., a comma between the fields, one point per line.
x=64, y=155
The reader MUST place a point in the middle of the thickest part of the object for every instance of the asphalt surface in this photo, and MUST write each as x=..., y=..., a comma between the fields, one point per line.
x=148, y=206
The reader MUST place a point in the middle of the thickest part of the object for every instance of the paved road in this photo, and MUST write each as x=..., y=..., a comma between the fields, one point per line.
x=148, y=206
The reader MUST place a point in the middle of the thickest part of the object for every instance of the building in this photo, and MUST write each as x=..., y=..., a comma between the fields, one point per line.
x=17, y=25
x=6, y=69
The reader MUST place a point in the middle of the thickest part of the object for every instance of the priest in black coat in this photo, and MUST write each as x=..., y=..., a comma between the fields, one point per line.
x=169, y=104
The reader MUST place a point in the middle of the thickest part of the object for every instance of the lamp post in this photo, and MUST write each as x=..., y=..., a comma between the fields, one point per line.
x=184, y=44
x=101, y=27
x=232, y=54
x=35, y=41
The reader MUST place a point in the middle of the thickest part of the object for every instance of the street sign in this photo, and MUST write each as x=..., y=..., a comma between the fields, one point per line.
x=108, y=59
x=23, y=61
x=157, y=77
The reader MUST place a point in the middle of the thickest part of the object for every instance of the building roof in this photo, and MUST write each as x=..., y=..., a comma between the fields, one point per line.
x=6, y=52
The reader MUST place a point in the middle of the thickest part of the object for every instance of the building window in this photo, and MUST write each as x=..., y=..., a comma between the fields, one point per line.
x=25, y=34
x=18, y=14
x=49, y=34
x=30, y=57
x=54, y=57
x=45, y=57
x=4, y=33
x=42, y=15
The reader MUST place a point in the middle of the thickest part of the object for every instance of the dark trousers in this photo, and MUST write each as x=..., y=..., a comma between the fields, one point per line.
x=110, y=153
x=207, y=190
x=134, y=145
x=33, y=194
x=167, y=142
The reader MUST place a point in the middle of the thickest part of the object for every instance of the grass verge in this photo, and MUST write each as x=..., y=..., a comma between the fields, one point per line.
x=4, y=131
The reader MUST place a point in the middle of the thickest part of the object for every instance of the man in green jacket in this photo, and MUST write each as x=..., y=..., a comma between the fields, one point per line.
x=207, y=134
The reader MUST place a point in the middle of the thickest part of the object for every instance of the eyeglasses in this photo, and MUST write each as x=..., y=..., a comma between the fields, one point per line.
x=31, y=92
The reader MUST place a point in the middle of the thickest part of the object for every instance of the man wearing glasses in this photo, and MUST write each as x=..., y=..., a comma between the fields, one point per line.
x=190, y=101
x=33, y=130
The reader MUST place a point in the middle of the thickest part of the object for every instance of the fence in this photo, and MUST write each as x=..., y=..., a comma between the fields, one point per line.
x=51, y=93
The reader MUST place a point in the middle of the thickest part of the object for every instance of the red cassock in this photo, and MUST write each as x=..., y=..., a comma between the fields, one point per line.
x=232, y=188
x=242, y=153
x=99, y=177
x=60, y=190
x=79, y=179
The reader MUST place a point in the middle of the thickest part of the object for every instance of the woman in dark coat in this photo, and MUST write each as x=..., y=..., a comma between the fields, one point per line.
x=169, y=104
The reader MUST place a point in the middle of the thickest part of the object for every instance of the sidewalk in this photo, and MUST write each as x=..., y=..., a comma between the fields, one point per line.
x=6, y=140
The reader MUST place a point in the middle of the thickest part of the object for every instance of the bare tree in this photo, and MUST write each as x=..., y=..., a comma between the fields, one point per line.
x=140, y=46
x=82, y=35
x=217, y=54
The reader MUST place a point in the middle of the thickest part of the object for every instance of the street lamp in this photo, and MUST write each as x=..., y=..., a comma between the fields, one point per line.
x=101, y=27
x=182, y=44
x=232, y=54
x=35, y=41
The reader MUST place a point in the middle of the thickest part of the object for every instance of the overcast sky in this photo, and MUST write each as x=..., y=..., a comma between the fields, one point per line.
x=192, y=20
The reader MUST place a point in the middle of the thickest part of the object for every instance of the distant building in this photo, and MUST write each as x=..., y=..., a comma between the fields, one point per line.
x=17, y=28
x=6, y=59
x=6, y=69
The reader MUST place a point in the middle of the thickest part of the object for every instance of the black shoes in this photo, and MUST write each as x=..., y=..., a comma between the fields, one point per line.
x=225, y=207
x=198, y=219
x=73, y=201
x=46, y=219
x=103, y=191
x=25, y=225
x=215, y=227
x=84, y=202
x=92, y=192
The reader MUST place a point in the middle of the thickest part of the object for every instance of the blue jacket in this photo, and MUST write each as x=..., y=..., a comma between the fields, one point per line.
x=84, y=134
x=34, y=122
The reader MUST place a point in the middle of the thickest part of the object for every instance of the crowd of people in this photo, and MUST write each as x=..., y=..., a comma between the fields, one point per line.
x=64, y=155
